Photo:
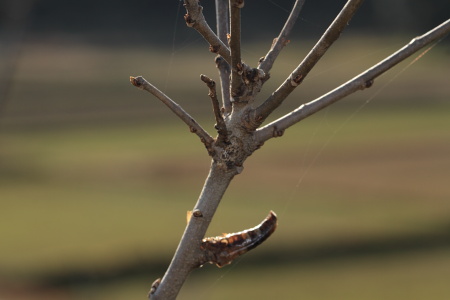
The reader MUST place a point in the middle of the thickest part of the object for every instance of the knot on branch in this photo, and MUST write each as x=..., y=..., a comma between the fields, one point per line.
x=283, y=42
x=277, y=132
x=214, y=48
x=368, y=83
x=238, y=3
x=253, y=75
x=197, y=213
x=189, y=21
x=155, y=285
x=231, y=153
x=296, y=80
x=222, y=250
x=228, y=38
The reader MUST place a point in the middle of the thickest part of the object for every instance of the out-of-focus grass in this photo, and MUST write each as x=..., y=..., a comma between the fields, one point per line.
x=411, y=276
x=80, y=192
x=97, y=196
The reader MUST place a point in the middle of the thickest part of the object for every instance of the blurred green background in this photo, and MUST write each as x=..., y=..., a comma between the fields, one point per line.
x=96, y=176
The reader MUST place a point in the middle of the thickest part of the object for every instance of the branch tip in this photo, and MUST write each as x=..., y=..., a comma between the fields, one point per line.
x=137, y=82
x=209, y=82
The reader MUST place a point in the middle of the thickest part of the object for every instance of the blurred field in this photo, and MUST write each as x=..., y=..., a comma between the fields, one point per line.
x=96, y=176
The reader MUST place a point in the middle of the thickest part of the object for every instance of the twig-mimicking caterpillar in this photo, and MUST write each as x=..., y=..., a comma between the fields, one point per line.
x=222, y=250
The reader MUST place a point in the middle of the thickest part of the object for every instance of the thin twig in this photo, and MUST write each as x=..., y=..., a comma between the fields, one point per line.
x=237, y=69
x=223, y=29
x=194, y=18
x=220, y=123
x=360, y=82
x=282, y=39
x=298, y=75
x=194, y=127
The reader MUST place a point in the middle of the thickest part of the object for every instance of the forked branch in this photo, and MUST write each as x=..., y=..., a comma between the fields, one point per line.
x=298, y=75
x=360, y=82
x=194, y=127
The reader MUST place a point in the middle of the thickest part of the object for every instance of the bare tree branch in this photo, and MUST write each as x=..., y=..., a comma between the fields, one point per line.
x=222, y=19
x=237, y=69
x=223, y=28
x=189, y=254
x=224, y=72
x=194, y=127
x=282, y=39
x=360, y=82
x=220, y=123
x=298, y=75
x=194, y=18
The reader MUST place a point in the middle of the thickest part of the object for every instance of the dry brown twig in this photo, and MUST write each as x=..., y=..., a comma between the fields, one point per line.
x=238, y=122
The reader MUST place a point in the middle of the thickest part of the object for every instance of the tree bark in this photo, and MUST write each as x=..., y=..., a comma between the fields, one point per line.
x=187, y=255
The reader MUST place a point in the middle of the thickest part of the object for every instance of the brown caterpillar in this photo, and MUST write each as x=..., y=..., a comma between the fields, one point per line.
x=222, y=250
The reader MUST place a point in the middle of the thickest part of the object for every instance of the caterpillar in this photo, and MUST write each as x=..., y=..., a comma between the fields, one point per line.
x=222, y=250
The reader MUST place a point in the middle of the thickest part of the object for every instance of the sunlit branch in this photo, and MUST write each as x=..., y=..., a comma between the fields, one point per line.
x=223, y=28
x=194, y=127
x=282, y=39
x=360, y=82
x=298, y=75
